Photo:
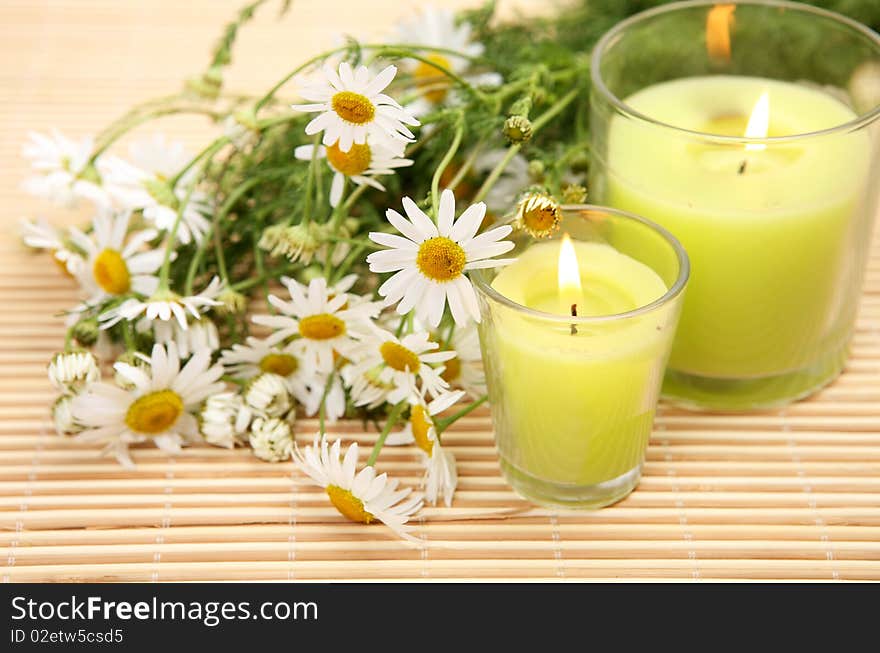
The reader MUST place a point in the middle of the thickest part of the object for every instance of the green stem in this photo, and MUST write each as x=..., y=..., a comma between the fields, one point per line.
x=392, y=420
x=444, y=162
x=467, y=165
x=443, y=424
x=496, y=172
x=209, y=151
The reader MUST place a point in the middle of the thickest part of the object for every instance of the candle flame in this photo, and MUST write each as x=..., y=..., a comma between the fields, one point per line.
x=569, y=273
x=719, y=22
x=759, y=123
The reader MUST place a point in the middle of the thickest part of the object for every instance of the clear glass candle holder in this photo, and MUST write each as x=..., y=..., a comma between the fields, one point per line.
x=750, y=131
x=573, y=398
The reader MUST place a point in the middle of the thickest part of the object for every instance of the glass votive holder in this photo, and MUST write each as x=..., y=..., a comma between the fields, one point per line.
x=573, y=397
x=750, y=131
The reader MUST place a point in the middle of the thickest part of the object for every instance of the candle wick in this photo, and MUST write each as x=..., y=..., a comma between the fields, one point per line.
x=742, y=166
x=574, y=313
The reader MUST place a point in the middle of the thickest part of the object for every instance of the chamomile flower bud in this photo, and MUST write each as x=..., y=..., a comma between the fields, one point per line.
x=574, y=194
x=232, y=302
x=224, y=420
x=62, y=415
x=517, y=129
x=271, y=439
x=296, y=243
x=71, y=372
x=538, y=214
x=86, y=331
x=268, y=395
x=536, y=170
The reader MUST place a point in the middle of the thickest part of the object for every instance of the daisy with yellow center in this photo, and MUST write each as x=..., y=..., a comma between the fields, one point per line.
x=317, y=323
x=441, y=477
x=438, y=28
x=158, y=403
x=538, y=214
x=361, y=496
x=39, y=234
x=352, y=105
x=386, y=368
x=430, y=260
x=361, y=164
x=116, y=262
x=255, y=357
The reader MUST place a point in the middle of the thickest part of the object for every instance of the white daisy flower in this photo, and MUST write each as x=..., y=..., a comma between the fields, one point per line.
x=359, y=496
x=63, y=174
x=224, y=420
x=441, y=477
x=199, y=334
x=164, y=305
x=39, y=234
x=321, y=325
x=115, y=263
x=144, y=185
x=267, y=394
x=352, y=105
x=438, y=28
x=430, y=260
x=513, y=180
x=465, y=369
x=360, y=164
x=271, y=439
x=255, y=356
x=385, y=368
x=71, y=373
x=159, y=407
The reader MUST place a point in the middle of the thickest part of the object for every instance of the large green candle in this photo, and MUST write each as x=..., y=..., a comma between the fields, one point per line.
x=573, y=405
x=769, y=228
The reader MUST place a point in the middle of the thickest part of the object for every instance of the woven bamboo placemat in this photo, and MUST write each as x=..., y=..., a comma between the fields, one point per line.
x=792, y=494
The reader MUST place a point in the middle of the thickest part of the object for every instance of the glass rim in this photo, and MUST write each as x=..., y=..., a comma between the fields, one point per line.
x=860, y=121
x=479, y=279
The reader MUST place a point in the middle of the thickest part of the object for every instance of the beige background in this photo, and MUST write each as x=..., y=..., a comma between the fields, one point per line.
x=790, y=494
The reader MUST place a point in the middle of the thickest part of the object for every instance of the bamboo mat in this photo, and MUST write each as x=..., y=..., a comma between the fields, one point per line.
x=792, y=494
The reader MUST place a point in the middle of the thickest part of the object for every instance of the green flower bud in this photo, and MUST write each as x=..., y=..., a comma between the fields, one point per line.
x=86, y=332
x=517, y=129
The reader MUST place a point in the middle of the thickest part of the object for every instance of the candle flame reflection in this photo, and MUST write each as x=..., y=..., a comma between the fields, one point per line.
x=759, y=123
x=719, y=21
x=569, y=273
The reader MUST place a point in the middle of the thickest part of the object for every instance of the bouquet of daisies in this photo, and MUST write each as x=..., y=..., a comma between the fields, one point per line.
x=312, y=259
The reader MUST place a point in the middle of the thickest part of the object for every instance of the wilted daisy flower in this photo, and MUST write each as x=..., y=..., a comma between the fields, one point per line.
x=297, y=243
x=42, y=235
x=160, y=405
x=438, y=28
x=321, y=325
x=386, y=368
x=267, y=394
x=255, y=356
x=224, y=420
x=352, y=105
x=538, y=214
x=114, y=261
x=164, y=305
x=441, y=476
x=71, y=372
x=271, y=439
x=63, y=174
x=465, y=369
x=359, y=496
x=199, y=334
x=144, y=185
x=513, y=180
x=431, y=260
x=360, y=164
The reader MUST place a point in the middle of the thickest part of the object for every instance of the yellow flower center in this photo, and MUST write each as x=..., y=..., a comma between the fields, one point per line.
x=399, y=357
x=350, y=163
x=322, y=326
x=280, y=364
x=541, y=220
x=353, y=107
x=441, y=259
x=155, y=412
x=452, y=371
x=432, y=82
x=111, y=272
x=348, y=504
x=421, y=424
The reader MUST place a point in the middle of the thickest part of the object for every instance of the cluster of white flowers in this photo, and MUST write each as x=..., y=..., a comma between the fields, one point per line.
x=406, y=345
